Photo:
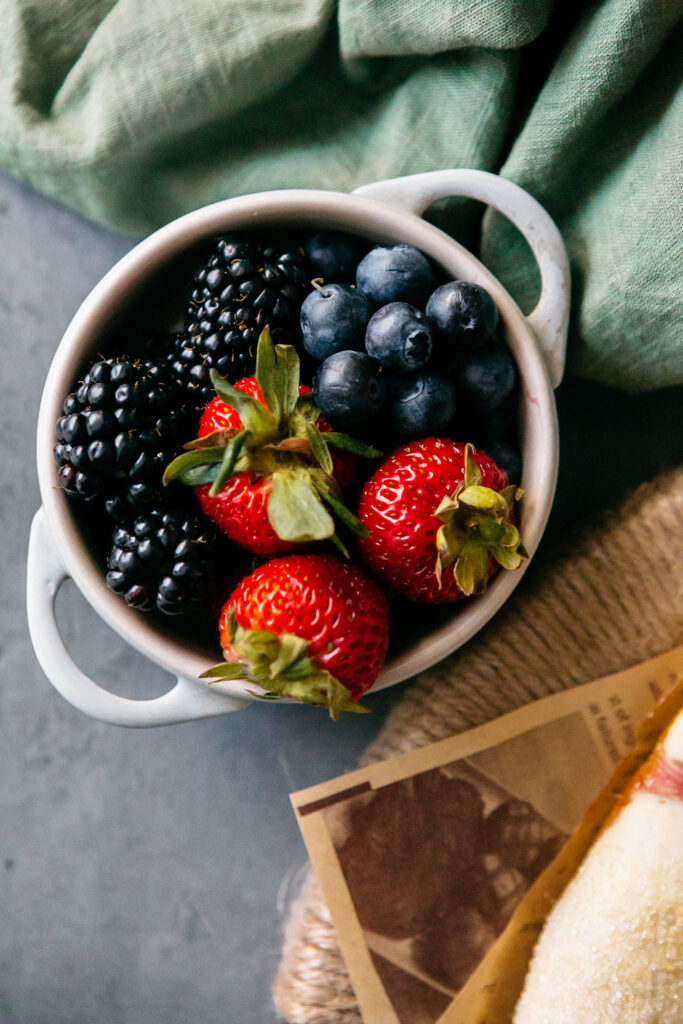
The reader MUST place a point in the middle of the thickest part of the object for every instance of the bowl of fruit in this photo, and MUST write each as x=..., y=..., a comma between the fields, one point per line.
x=296, y=446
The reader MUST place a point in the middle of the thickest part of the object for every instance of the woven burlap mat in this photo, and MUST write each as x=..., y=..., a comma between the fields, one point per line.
x=608, y=600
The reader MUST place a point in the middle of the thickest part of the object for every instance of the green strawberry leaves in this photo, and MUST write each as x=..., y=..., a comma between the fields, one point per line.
x=207, y=464
x=277, y=371
x=280, y=665
x=347, y=443
x=231, y=454
x=255, y=418
x=477, y=523
x=319, y=448
x=280, y=440
x=189, y=463
x=294, y=509
x=347, y=517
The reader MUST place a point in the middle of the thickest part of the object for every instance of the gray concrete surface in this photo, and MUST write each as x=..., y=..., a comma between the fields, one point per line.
x=143, y=875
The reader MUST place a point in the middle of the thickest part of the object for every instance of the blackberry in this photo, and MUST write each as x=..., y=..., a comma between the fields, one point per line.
x=162, y=560
x=119, y=430
x=190, y=367
x=245, y=285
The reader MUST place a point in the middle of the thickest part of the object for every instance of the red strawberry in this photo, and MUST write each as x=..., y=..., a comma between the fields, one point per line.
x=433, y=506
x=262, y=466
x=312, y=627
x=240, y=508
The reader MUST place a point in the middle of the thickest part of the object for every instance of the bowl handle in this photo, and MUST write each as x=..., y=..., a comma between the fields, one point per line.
x=185, y=701
x=550, y=318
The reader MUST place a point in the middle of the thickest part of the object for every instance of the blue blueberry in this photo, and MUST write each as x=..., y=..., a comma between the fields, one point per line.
x=334, y=256
x=463, y=315
x=422, y=405
x=350, y=390
x=399, y=337
x=333, y=319
x=505, y=456
x=487, y=379
x=500, y=422
x=400, y=273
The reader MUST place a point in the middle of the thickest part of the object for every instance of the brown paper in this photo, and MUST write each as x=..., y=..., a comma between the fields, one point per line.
x=440, y=865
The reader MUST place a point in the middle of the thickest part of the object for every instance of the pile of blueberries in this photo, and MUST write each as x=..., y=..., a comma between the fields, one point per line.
x=403, y=357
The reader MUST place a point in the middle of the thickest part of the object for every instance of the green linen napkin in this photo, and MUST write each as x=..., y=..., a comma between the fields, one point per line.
x=134, y=112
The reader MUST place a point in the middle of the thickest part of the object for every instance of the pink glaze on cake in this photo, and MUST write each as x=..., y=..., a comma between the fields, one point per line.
x=665, y=779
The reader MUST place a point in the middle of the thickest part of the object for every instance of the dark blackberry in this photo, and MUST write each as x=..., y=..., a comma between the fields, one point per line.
x=118, y=432
x=168, y=350
x=245, y=285
x=162, y=560
x=190, y=367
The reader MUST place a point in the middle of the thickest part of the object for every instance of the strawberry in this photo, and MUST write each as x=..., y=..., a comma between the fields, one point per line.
x=262, y=467
x=439, y=520
x=307, y=626
x=240, y=508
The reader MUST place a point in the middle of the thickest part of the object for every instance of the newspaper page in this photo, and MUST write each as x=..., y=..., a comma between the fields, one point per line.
x=440, y=865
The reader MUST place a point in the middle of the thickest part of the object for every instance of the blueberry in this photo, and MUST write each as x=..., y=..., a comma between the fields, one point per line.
x=499, y=422
x=505, y=456
x=399, y=337
x=350, y=390
x=422, y=405
x=487, y=379
x=334, y=256
x=333, y=319
x=463, y=315
x=397, y=274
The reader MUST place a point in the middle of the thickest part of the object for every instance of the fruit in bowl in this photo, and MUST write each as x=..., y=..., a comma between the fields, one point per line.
x=335, y=422
x=194, y=297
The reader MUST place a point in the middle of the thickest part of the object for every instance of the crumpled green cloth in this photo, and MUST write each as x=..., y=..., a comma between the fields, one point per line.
x=135, y=111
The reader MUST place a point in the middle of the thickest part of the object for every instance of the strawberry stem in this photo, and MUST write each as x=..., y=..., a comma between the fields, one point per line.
x=230, y=457
x=477, y=523
x=280, y=665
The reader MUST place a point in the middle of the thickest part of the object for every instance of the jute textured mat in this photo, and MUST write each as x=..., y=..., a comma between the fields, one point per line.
x=612, y=600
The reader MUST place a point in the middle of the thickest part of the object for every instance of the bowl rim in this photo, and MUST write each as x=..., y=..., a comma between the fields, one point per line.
x=311, y=208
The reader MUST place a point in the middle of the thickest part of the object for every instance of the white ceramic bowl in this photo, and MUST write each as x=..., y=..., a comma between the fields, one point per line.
x=385, y=212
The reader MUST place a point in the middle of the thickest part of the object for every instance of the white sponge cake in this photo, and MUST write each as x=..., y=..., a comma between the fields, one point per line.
x=611, y=951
